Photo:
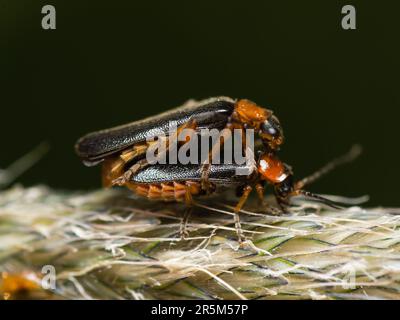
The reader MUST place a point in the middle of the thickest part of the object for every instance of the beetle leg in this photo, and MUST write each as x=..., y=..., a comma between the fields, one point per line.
x=283, y=204
x=183, y=226
x=191, y=124
x=188, y=211
x=268, y=208
x=246, y=192
x=238, y=227
x=136, y=151
x=113, y=167
x=206, y=167
x=205, y=173
x=139, y=150
x=126, y=177
x=260, y=193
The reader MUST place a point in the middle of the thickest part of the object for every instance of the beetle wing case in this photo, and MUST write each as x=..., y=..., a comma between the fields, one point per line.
x=219, y=173
x=210, y=113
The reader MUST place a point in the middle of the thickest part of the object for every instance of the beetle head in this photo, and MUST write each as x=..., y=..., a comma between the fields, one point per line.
x=271, y=132
x=280, y=176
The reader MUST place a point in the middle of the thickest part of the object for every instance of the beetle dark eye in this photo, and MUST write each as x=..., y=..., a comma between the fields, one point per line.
x=271, y=127
x=285, y=187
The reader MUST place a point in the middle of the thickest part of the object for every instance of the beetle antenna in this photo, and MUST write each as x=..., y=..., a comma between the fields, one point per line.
x=354, y=152
x=323, y=200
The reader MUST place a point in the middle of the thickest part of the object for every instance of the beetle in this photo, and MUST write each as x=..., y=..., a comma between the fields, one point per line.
x=182, y=182
x=129, y=142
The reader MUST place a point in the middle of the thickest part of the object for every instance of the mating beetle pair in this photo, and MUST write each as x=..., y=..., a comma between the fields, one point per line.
x=122, y=151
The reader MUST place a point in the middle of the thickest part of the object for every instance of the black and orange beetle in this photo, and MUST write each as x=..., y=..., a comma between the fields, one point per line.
x=126, y=145
x=219, y=113
x=182, y=182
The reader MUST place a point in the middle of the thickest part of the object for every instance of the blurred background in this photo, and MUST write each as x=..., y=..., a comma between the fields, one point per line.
x=112, y=62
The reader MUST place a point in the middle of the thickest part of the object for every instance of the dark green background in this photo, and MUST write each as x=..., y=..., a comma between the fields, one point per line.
x=113, y=62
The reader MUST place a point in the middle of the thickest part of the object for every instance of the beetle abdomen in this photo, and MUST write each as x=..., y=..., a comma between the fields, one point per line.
x=171, y=191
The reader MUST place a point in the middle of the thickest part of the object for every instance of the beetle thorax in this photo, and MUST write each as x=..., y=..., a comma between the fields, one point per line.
x=249, y=113
x=272, y=169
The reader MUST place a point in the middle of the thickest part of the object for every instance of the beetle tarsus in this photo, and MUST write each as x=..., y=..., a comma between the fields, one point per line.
x=246, y=192
x=273, y=210
x=205, y=182
x=183, y=232
x=239, y=231
x=189, y=208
